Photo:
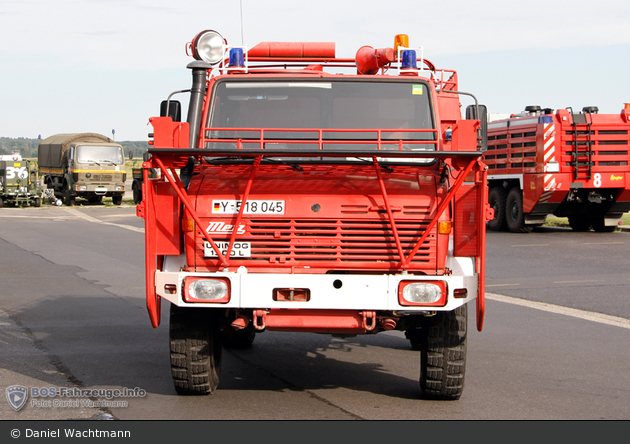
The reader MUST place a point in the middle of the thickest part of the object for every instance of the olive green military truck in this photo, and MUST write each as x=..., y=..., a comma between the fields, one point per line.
x=85, y=165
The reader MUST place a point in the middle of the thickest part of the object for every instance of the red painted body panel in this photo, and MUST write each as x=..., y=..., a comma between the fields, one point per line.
x=526, y=147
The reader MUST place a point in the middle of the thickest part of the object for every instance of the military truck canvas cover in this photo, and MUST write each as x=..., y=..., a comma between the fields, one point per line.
x=51, y=149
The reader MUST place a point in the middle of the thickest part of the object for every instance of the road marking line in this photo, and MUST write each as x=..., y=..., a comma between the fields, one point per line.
x=10, y=216
x=79, y=214
x=574, y=312
x=98, y=221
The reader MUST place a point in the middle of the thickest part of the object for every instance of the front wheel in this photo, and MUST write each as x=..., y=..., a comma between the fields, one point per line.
x=68, y=197
x=514, y=212
x=496, y=199
x=117, y=199
x=443, y=354
x=137, y=193
x=196, y=348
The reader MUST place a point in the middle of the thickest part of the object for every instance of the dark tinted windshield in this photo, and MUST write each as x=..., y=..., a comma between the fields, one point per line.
x=340, y=104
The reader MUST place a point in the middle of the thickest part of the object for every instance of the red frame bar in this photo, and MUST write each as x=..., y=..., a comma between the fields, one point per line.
x=320, y=141
x=152, y=261
x=178, y=186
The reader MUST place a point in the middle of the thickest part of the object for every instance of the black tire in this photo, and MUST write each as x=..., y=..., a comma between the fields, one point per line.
x=496, y=199
x=1, y=202
x=117, y=199
x=580, y=222
x=443, y=355
x=37, y=202
x=514, y=215
x=239, y=339
x=598, y=224
x=68, y=197
x=137, y=193
x=196, y=348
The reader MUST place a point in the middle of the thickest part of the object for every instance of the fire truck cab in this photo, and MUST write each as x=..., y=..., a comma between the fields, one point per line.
x=311, y=193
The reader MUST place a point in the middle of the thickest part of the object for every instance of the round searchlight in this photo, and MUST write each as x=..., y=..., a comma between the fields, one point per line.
x=208, y=46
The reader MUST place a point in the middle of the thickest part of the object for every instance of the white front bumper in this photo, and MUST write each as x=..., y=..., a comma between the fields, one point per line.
x=327, y=291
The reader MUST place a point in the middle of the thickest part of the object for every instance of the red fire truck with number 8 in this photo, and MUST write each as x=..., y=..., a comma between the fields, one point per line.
x=311, y=193
x=568, y=164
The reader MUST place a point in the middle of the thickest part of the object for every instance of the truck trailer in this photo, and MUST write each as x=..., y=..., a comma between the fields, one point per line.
x=312, y=193
x=564, y=163
x=86, y=165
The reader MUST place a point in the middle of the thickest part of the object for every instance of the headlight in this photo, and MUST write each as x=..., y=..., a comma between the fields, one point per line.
x=422, y=293
x=207, y=290
x=208, y=46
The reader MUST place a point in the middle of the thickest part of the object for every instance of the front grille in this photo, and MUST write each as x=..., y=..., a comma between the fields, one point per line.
x=101, y=177
x=332, y=243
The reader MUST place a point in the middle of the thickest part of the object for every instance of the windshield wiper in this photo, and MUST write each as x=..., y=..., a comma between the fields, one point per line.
x=295, y=166
x=385, y=167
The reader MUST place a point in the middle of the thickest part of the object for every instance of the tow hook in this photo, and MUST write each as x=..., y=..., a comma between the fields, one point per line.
x=369, y=320
x=259, y=319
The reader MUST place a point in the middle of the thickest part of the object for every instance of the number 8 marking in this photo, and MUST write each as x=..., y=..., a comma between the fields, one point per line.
x=597, y=180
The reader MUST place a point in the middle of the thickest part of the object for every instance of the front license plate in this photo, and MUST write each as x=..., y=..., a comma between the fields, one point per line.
x=240, y=249
x=251, y=207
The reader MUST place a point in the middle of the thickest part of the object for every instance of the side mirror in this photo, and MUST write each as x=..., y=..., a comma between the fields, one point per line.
x=172, y=109
x=471, y=113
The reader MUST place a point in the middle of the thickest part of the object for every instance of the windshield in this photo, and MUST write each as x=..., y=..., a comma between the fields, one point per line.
x=392, y=107
x=112, y=155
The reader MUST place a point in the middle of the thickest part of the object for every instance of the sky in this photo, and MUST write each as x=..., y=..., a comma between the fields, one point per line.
x=104, y=66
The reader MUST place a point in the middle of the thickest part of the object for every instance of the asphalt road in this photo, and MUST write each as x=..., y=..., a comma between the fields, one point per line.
x=72, y=310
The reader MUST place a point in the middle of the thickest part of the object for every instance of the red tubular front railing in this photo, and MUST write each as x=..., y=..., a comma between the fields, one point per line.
x=379, y=137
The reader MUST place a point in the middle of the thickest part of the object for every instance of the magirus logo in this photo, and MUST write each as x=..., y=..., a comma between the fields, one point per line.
x=16, y=396
x=221, y=227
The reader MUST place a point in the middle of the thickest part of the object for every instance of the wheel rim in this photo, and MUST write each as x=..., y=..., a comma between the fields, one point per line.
x=514, y=211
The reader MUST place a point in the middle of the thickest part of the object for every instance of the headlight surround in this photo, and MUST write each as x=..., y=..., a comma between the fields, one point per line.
x=422, y=293
x=209, y=46
x=214, y=290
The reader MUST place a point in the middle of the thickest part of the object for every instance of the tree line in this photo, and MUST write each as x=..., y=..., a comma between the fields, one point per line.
x=28, y=147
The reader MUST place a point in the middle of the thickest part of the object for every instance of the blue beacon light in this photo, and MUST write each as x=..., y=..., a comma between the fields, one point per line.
x=236, y=58
x=408, y=59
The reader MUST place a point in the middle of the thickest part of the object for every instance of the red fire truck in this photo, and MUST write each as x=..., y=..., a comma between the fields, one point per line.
x=572, y=165
x=311, y=193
